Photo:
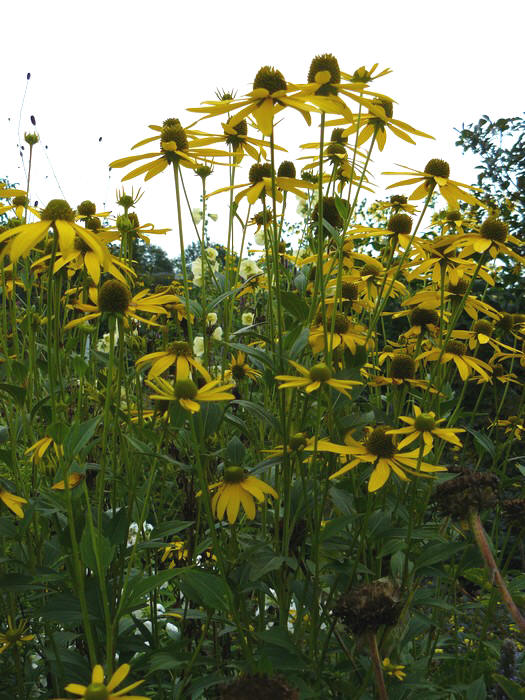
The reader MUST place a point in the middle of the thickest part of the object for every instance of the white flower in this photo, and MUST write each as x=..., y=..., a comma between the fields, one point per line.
x=247, y=318
x=217, y=333
x=103, y=343
x=211, y=254
x=196, y=215
x=198, y=345
x=172, y=631
x=211, y=319
x=303, y=208
x=247, y=268
x=259, y=237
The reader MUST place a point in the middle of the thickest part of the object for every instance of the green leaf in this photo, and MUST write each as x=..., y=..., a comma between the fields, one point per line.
x=483, y=442
x=211, y=415
x=17, y=392
x=91, y=542
x=16, y=582
x=259, y=412
x=140, y=584
x=476, y=690
x=264, y=562
x=205, y=588
x=438, y=552
x=510, y=688
x=295, y=305
x=79, y=436
x=235, y=451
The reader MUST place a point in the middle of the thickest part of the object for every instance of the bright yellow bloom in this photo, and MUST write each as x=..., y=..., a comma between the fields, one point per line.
x=271, y=94
x=59, y=215
x=18, y=206
x=454, y=351
x=394, y=669
x=177, y=552
x=178, y=353
x=38, y=450
x=73, y=480
x=311, y=379
x=238, y=488
x=492, y=236
x=115, y=297
x=14, y=503
x=14, y=635
x=426, y=426
x=188, y=394
x=436, y=174
x=239, y=369
x=346, y=333
x=98, y=690
x=379, y=449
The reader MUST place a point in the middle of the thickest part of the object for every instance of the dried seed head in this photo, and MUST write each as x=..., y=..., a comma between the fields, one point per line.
x=338, y=136
x=330, y=213
x=420, y=316
x=381, y=444
x=437, y=168
x=455, y=347
x=58, y=210
x=403, y=366
x=86, y=208
x=176, y=134
x=114, y=297
x=367, y=607
x=400, y=223
x=349, y=291
x=325, y=62
x=458, y=289
x=494, y=229
x=286, y=169
x=258, y=171
x=270, y=79
x=469, y=490
x=484, y=327
x=93, y=223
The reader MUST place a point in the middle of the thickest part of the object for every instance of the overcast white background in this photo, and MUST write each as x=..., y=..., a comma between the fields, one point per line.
x=108, y=69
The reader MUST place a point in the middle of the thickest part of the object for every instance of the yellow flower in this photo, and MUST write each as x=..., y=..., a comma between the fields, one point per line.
x=426, y=426
x=98, y=690
x=436, y=172
x=394, y=669
x=492, y=236
x=271, y=94
x=13, y=502
x=379, y=449
x=188, y=394
x=114, y=297
x=238, y=488
x=14, y=635
x=177, y=552
x=38, y=450
x=311, y=379
x=19, y=204
x=178, y=353
x=454, y=351
x=175, y=149
x=239, y=369
x=59, y=215
x=346, y=333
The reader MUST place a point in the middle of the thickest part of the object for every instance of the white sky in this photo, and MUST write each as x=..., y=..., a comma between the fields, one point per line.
x=108, y=69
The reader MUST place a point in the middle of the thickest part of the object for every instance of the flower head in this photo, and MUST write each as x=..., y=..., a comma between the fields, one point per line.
x=98, y=690
x=238, y=488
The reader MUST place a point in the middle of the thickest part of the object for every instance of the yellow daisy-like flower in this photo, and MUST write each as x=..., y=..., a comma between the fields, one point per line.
x=346, y=333
x=436, y=172
x=240, y=369
x=14, y=635
x=396, y=670
x=114, y=297
x=188, y=394
x=454, y=351
x=512, y=425
x=180, y=354
x=379, y=449
x=426, y=426
x=174, y=149
x=14, y=503
x=38, y=450
x=59, y=215
x=311, y=379
x=299, y=442
x=492, y=236
x=98, y=690
x=430, y=299
x=18, y=206
x=176, y=552
x=270, y=95
x=238, y=488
